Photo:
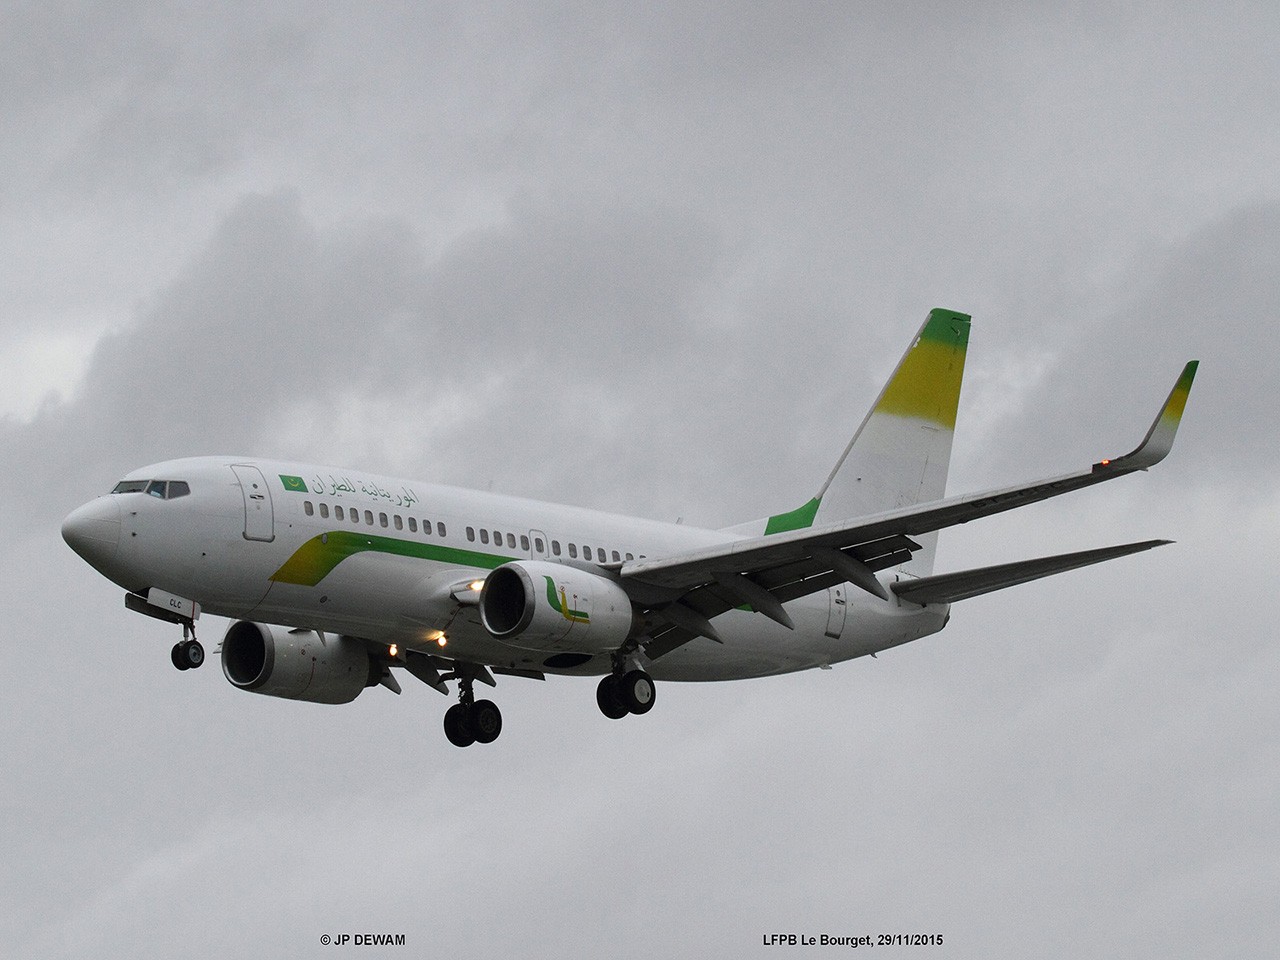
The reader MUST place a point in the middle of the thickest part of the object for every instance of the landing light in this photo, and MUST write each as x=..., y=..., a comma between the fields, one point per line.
x=475, y=585
x=393, y=650
x=442, y=640
x=1106, y=463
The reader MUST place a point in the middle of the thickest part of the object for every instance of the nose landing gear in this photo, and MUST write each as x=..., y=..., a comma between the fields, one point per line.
x=187, y=654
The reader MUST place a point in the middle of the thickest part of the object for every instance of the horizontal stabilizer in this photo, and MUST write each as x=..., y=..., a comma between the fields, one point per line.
x=949, y=587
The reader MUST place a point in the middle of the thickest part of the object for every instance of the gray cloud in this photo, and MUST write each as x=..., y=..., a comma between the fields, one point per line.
x=279, y=320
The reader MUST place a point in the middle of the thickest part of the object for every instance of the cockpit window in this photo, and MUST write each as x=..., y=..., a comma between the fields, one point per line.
x=161, y=489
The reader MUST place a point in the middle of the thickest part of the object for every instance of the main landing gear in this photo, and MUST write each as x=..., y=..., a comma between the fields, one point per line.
x=620, y=694
x=187, y=654
x=470, y=720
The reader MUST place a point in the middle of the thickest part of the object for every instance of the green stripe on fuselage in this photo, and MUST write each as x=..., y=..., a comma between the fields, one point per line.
x=315, y=559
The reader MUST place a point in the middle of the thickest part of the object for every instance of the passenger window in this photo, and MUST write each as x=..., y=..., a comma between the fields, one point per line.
x=511, y=541
x=524, y=542
x=338, y=514
x=471, y=534
x=616, y=558
x=586, y=552
x=398, y=522
x=440, y=529
x=355, y=515
x=308, y=509
x=413, y=524
x=630, y=557
x=368, y=517
x=497, y=539
x=537, y=544
x=555, y=547
x=156, y=488
x=382, y=519
x=484, y=535
x=573, y=551
x=324, y=511
x=178, y=488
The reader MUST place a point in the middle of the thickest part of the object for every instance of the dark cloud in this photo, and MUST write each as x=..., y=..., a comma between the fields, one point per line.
x=1204, y=297
x=279, y=319
x=137, y=100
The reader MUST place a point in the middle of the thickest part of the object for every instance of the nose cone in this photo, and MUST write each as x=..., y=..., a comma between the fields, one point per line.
x=93, y=531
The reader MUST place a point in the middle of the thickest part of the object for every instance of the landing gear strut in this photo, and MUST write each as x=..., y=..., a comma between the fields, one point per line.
x=187, y=654
x=470, y=720
x=620, y=694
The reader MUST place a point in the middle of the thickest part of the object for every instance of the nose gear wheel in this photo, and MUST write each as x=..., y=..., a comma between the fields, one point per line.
x=187, y=654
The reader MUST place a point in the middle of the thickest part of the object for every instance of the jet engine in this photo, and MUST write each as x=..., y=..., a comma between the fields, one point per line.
x=296, y=664
x=536, y=605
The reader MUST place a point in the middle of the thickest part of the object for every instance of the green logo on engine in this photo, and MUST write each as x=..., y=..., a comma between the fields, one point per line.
x=560, y=604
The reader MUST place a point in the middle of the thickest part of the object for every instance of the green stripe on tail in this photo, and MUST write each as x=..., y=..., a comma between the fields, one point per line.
x=800, y=518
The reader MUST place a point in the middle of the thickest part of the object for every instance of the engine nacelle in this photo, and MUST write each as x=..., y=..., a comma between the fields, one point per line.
x=295, y=664
x=535, y=605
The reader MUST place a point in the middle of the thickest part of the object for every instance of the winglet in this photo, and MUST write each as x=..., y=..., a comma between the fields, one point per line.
x=1158, y=442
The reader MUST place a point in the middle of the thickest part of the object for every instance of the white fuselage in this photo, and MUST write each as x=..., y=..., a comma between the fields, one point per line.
x=348, y=552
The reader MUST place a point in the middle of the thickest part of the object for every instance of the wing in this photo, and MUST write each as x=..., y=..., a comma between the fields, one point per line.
x=688, y=589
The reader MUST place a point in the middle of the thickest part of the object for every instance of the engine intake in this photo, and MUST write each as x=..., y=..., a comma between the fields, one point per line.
x=536, y=605
x=296, y=664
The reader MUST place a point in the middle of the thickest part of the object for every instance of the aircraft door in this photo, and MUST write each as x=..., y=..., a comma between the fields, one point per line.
x=836, y=610
x=259, y=517
x=538, y=545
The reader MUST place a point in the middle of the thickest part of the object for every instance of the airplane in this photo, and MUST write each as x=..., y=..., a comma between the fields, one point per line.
x=337, y=578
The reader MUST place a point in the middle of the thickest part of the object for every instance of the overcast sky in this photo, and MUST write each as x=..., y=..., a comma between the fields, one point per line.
x=435, y=240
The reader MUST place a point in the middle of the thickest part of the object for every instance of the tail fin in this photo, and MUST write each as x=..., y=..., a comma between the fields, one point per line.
x=902, y=450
